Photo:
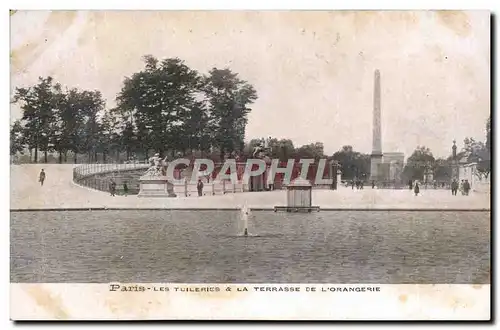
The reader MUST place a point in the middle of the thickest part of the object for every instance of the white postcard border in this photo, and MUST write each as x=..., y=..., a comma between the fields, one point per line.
x=457, y=4
x=205, y=301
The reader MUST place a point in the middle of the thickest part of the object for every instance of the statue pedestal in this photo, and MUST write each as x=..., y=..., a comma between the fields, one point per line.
x=156, y=186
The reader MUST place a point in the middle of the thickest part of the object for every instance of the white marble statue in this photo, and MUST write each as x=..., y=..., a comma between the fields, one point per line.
x=156, y=164
x=262, y=149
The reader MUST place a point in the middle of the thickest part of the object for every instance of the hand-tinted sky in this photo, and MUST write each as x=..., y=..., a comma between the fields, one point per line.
x=313, y=71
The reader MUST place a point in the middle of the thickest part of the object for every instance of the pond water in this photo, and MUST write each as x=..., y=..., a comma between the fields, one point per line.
x=385, y=247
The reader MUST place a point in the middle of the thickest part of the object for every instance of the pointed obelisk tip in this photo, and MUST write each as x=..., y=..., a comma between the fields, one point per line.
x=377, y=72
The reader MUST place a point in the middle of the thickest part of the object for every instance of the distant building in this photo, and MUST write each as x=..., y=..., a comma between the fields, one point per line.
x=395, y=161
x=469, y=172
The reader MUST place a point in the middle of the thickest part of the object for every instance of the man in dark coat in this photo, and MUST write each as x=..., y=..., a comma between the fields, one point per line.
x=466, y=187
x=41, y=178
x=454, y=187
x=199, y=186
x=112, y=187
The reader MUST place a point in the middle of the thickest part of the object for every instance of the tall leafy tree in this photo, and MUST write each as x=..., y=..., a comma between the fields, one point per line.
x=66, y=121
x=474, y=150
x=228, y=99
x=195, y=129
x=160, y=99
x=352, y=163
x=38, y=104
x=420, y=161
x=443, y=169
x=478, y=152
x=313, y=150
x=91, y=106
x=283, y=149
x=127, y=141
x=109, y=135
x=16, y=138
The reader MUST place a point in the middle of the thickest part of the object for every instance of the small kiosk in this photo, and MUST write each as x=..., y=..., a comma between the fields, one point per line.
x=298, y=197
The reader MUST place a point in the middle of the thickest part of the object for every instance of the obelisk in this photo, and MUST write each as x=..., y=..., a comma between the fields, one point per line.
x=376, y=156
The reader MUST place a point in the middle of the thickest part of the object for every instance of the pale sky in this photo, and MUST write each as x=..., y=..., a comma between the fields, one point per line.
x=313, y=71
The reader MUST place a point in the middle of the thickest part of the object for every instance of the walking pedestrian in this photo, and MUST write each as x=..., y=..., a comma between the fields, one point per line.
x=454, y=187
x=417, y=189
x=125, y=188
x=462, y=187
x=410, y=184
x=41, y=177
x=112, y=187
x=466, y=187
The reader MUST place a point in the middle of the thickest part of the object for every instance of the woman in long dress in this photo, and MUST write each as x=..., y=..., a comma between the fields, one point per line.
x=416, y=189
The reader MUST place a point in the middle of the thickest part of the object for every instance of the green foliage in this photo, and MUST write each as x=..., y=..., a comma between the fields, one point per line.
x=353, y=164
x=38, y=104
x=313, y=150
x=284, y=149
x=151, y=99
x=56, y=120
x=228, y=98
x=173, y=108
x=16, y=138
x=442, y=170
x=478, y=152
x=418, y=163
x=475, y=151
x=166, y=107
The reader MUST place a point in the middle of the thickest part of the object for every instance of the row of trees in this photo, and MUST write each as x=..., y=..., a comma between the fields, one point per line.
x=55, y=120
x=167, y=107
x=355, y=164
x=422, y=160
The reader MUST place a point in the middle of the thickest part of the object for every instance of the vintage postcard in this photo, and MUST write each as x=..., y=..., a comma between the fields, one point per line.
x=250, y=165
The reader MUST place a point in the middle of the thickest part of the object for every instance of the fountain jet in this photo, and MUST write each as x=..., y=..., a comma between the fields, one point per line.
x=244, y=219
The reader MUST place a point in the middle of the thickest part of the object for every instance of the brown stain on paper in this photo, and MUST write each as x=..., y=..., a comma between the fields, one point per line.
x=444, y=298
x=24, y=56
x=44, y=298
x=457, y=21
x=134, y=304
x=140, y=305
x=387, y=19
x=437, y=52
x=137, y=305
